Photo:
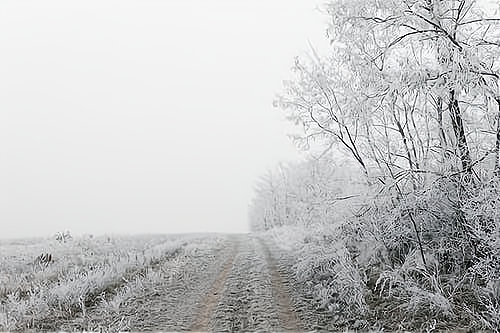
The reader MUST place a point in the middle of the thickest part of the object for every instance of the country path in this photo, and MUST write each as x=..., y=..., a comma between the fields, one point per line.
x=249, y=293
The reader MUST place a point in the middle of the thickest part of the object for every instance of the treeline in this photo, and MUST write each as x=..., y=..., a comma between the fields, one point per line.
x=410, y=93
x=307, y=193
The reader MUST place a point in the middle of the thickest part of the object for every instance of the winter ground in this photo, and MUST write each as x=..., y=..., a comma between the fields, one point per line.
x=191, y=282
x=212, y=282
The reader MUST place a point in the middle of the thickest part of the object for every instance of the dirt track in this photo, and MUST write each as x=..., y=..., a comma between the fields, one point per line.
x=249, y=294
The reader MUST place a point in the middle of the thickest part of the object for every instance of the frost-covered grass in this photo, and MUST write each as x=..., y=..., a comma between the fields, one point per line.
x=100, y=283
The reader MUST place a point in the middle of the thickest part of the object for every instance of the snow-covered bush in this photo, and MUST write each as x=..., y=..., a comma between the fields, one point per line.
x=433, y=253
x=325, y=266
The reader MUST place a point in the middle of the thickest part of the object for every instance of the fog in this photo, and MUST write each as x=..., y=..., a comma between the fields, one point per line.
x=142, y=116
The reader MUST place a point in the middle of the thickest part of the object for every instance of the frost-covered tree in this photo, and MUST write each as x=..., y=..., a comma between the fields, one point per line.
x=410, y=92
x=410, y=87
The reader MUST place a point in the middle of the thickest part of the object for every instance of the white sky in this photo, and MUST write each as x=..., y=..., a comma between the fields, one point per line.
x=142, y=116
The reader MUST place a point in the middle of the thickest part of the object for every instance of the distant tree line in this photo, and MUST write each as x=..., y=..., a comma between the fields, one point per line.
x=311, y=192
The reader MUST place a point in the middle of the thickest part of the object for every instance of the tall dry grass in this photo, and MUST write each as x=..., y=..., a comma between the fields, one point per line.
x=87, y=277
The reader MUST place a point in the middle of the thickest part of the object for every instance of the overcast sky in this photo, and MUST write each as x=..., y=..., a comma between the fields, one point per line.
x=142, y=116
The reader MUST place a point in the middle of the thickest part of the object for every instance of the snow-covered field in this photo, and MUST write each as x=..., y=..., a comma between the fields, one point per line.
x=107, y=283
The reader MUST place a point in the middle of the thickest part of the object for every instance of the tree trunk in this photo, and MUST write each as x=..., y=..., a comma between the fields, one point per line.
x=442, y=136
x=496, y=170
x=459, y=130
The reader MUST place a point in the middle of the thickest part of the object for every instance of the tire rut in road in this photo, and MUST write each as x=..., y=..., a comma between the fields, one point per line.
x=288, y=319
x=247, y=302
x=212, y=298
x=248, y=294
x=254, y=297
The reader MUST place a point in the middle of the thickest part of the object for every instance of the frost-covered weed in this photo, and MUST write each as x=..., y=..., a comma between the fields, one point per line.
x=332, y=278
x=419, y=288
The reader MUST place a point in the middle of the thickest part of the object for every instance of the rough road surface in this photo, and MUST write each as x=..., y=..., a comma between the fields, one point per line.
x=249, y=294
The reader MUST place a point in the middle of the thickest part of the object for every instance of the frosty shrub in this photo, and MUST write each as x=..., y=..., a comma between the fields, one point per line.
x=325, y=266
x=446, y=269
x=327, y=285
